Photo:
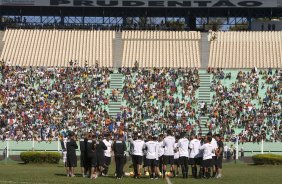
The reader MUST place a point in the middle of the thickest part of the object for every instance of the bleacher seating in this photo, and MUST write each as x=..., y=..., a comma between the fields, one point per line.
x=155, y=35
x=246, y=50
x=57, y=47
x=161, y=49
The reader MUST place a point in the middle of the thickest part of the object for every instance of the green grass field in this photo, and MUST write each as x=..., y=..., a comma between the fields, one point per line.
x=13, y=172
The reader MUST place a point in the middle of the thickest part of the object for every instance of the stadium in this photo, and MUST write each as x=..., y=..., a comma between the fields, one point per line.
x=139, y=70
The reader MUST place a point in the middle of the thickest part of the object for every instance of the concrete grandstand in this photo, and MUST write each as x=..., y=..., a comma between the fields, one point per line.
x=238, y=53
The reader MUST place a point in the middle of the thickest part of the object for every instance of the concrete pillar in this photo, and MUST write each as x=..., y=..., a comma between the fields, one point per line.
x=62, y=22
x=192, y=23
x=249, y=23
x=124, y=21
x=186, y=20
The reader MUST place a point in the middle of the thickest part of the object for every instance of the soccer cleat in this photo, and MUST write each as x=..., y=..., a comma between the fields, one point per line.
x=218, y=176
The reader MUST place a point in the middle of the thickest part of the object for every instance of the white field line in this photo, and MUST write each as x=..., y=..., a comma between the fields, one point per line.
x=168, y=180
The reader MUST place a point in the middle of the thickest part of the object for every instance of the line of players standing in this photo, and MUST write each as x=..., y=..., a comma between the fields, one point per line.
x=204, y=154
x=178, y=151
x=95, y=155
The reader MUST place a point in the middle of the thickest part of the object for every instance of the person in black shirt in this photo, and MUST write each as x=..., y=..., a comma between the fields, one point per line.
x=83, y=155
x=119, y=148
x=100, y=149
x=92, y=156
x=219, y=156
x=71, y=154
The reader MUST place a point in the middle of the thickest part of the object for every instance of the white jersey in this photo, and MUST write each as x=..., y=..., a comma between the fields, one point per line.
x=108, y=151
x=152, y=149
x=214, y=144
x=138, y=146
x=168, y=144
x=194, y=147
x=183, y=146
x=176, y=153
x=208, y=151
x=161, y=149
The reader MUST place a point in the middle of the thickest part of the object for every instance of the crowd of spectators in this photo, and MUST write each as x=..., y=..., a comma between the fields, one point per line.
x=252, y=103
x=45, y=103
x=158, y=99
x=42, y=103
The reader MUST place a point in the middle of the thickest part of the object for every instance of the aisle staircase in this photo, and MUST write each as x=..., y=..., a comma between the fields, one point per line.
x=204, y=96
x=116, y=83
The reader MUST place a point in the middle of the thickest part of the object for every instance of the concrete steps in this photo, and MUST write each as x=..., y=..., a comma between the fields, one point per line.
x=116, y=83
x=204, y=95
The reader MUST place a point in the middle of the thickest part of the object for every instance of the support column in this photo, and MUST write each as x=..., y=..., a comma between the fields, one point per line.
x=1, y=17
x=186, y=20
x=192, y=23
x=62, y=22
x=124, y=21
x=249, y=23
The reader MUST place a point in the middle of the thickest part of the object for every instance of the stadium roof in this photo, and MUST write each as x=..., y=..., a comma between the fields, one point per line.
x=139, y=8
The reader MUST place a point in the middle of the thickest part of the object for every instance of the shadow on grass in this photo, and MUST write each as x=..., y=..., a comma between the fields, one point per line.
x=252, y=164
x=65, y=175
x=80, y=176
x=21, y=163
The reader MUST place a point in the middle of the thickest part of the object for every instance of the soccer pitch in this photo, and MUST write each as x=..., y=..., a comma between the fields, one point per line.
x=16, y=173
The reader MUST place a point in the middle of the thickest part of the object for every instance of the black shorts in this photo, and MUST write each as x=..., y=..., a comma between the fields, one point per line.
x=137, y=159
x=192, y=161
x=151, y=163
x=218, y=162
x=108, y=161
x=213, y=160
x=200, y=161
x=160, y=161
x=145, y=161
x=71, y=161
x=176, y=162
x=83, y=160
x=168, y=160
x=100, y=160
x=92, y=161
x=207, y=163
x=183, y=160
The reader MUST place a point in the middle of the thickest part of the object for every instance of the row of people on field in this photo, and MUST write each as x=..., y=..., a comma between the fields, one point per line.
x=153, y=153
